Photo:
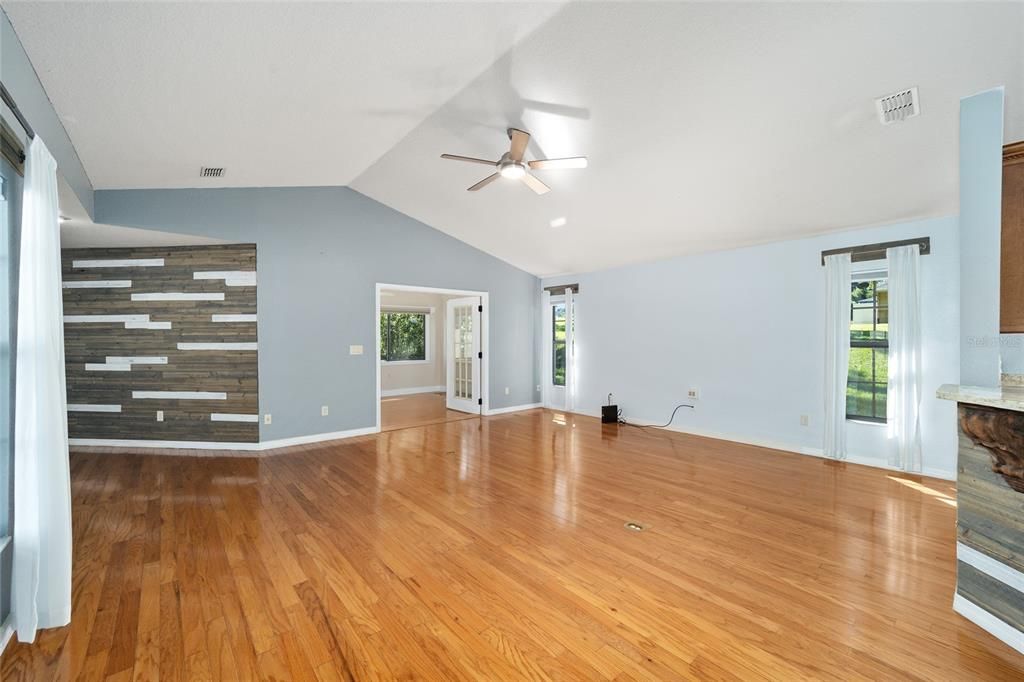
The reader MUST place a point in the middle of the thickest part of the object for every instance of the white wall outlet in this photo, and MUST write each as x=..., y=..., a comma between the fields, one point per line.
x=323, y=410
x=804, y=420
x=538, y=388
x=693, y=393
x=355, y=350
x=266, y=419
x=159, y=415
x=507, y=391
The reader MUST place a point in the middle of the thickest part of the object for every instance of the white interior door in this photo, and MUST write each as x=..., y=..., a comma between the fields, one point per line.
x=462, y=354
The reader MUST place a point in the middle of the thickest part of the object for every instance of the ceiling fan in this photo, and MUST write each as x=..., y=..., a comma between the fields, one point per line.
x=512, y=166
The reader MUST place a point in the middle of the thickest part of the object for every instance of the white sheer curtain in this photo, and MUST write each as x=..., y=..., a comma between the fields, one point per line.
x=837, y=352
x=570, y=351
x=903, y=402
x=41, y=590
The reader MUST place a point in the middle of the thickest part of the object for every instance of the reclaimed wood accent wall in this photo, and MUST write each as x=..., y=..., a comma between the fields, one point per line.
x=168, y=330
x=990, y=521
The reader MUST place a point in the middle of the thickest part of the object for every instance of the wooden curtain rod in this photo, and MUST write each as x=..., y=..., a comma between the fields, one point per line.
x=859, y=254
x=560, y=288
x=9, y=101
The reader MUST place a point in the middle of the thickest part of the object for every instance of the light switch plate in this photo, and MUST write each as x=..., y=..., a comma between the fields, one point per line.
x=355, y=350
x=266, y=419
x=323, y=410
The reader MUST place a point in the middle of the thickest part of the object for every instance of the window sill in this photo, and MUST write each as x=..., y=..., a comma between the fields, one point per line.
x=866, y=422
x=406, y=362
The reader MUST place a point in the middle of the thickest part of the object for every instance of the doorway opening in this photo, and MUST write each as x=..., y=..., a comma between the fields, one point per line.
x=432, y=366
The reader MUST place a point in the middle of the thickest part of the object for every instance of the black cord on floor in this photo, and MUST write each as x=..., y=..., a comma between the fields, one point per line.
x=654, y=426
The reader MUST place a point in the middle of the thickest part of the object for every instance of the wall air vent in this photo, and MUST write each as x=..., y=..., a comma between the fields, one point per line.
x=899, y=106
x=207, y=172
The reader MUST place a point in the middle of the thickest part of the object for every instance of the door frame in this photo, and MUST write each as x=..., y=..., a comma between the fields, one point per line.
x=485, y=365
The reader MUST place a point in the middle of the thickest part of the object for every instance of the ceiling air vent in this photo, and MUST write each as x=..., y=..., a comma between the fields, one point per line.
x=206, y=172
x=898, y=106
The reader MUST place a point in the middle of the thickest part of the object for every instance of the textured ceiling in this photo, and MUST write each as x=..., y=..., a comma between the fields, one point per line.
x=707, y=125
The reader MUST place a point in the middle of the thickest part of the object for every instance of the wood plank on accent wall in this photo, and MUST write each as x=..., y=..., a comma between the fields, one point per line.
x=233, y=373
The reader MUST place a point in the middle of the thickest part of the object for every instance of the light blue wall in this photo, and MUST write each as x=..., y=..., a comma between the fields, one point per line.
x=320, y=253
x=981, y=183
x=19, y=76
x=746, y=327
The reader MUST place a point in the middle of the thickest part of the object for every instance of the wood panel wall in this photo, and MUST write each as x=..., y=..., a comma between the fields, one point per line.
x=990, y=520
x=102, y=387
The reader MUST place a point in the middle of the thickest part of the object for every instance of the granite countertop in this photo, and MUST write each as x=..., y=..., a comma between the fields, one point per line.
x=1007, y=397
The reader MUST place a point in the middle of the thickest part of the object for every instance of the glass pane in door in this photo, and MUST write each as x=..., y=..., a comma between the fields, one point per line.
x=463, y=352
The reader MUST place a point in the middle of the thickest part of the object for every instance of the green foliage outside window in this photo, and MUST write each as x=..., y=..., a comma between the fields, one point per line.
x=403, y=336
x=558, y=345
x=867, y=385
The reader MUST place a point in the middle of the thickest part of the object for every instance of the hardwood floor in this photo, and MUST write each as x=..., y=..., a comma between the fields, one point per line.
x=419, y=409
x=494, y=549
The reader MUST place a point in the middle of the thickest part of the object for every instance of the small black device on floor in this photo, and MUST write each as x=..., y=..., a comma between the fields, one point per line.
x=609, y=412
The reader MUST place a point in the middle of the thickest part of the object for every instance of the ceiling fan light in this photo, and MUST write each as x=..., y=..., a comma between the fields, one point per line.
x=512, y=171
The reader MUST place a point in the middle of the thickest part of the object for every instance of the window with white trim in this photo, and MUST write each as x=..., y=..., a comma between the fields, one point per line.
x=868, y=378
x=403, y=336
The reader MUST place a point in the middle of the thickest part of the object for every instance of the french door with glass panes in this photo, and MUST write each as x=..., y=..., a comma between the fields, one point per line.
x=462, y=354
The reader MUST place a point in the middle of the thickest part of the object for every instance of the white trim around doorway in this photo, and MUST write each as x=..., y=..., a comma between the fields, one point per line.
x=485, y=316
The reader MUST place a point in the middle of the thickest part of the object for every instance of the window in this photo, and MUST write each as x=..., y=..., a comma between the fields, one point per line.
x=403, y=337
x=869, y=350
x=558, y=344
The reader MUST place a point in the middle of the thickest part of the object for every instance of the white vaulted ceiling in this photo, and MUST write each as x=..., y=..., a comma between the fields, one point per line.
x=707, y=125
x=279, y=93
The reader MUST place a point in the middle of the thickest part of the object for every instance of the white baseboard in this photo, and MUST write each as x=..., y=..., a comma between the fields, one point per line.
x=514, y=408
x=786, y=447
x=392, y=392
x=317, y=438
x=216, y=449
x=993, y=625
x=164, y=444
x=6, y=632
x=880, y=464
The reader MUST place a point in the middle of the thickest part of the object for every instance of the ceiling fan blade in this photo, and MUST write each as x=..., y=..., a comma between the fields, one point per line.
x=470, y=159
x=552, y=164
x=520, y=139
x=535, y=184
x=483, y=183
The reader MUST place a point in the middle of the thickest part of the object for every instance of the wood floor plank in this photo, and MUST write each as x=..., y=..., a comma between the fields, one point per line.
x=494, y=548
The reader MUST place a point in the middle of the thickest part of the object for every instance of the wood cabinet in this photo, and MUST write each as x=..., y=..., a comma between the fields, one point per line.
x=1011, y=297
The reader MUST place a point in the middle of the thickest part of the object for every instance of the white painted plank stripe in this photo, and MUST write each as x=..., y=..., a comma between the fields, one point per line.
x=232, y=278
x=1008, y=575
x=224, y=417
x=217, y=346
x=179, y=395
x=119, y=263
x=233, y=318
x=71, y=319
x=106, y=367
x=136, y=360
x=98, y=284
x=178, y=296
x=147, y=325
x=81, y=407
